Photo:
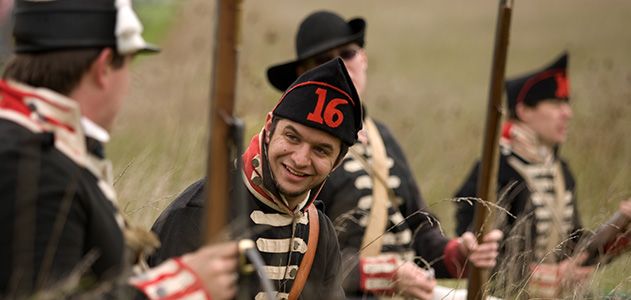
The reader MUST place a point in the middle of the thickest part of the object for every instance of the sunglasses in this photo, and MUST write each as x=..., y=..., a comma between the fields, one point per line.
x=345, y=54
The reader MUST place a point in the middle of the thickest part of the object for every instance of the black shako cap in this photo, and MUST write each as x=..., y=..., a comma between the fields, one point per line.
x=551, y=82
x=49, y=25
x=319, y=32
x=324, y=98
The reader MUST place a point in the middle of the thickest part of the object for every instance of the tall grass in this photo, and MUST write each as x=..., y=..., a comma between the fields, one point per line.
x=429, y=65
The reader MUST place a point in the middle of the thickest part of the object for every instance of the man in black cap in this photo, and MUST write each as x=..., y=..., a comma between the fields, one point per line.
x=61, y=232
x=304, y=138
x=381, y=219
x=535, y=185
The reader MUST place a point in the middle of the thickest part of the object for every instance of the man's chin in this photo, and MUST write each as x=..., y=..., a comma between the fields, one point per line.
x=290, y=194
x=293, y=194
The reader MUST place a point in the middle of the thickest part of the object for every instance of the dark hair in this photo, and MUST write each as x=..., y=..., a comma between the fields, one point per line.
x=343, y=146
x=59, y=71
x=320, y=58
x=512, y=114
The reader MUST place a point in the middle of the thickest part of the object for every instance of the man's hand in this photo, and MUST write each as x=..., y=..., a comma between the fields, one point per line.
x=555, y=280
x=412, y=281
x=573, y=273
x=481, y=255
x=216, y=266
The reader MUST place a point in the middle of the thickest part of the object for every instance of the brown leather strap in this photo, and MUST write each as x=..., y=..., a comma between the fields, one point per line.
x=372, y=243
x=307, y=259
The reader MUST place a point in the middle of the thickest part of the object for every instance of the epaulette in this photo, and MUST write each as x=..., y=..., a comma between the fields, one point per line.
x=42, y=110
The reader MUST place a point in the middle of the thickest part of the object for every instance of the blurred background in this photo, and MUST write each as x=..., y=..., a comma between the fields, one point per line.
x=429, y=69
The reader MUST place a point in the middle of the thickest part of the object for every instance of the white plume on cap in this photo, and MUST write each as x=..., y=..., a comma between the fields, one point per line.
x=128, y=29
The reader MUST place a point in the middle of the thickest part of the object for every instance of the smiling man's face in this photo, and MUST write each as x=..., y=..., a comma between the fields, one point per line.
x=300, y=158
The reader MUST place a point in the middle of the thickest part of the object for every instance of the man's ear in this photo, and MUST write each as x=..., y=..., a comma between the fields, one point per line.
x=101, y=68
x=337, y=163
x=521, y=110
x=268, y=127
x=340, y=157
x=364, y=57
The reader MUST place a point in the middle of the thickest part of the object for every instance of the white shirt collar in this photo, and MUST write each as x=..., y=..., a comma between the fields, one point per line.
x=95, y=131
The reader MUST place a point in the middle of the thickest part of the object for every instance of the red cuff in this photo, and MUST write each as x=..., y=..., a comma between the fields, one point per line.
x=171, y=280
x=618, y=245
x=377, y=273
x=454, y=261
x=545, y=281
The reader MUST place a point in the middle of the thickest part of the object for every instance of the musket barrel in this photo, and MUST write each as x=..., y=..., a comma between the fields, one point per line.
x=487, y=178
x=222, y=99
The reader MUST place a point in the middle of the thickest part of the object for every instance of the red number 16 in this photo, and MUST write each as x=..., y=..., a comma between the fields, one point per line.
x=333, y=117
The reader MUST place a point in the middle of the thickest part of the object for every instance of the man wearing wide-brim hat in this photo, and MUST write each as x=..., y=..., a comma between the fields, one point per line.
x=374, y=188
x=62, y=234
x=312, y=46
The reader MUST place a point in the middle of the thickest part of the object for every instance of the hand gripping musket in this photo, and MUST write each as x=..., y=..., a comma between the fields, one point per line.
x=609, y=240
x=488, y=166
x=225, y=147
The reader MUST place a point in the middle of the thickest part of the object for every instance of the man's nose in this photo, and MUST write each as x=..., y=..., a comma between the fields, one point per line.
x=567, y=110
x=301, y=156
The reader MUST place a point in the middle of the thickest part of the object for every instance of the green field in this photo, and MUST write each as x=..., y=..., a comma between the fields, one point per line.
x=429, y=67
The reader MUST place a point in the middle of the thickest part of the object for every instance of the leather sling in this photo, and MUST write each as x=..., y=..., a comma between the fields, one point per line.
x=307, y=259
x=379, y=171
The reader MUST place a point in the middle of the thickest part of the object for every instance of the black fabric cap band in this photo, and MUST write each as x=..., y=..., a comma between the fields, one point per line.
x=63, y=24
x=550, y=82
x=46, y=31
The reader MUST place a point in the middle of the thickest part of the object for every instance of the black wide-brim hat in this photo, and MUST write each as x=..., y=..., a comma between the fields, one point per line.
x=318, y=33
